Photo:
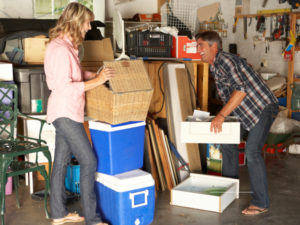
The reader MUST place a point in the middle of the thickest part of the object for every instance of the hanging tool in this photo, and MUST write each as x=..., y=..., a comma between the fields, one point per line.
x=236, y=19
x=260, y=26
x=264, y=3
x=250, y=21
x=271, y=28
x=245, y=28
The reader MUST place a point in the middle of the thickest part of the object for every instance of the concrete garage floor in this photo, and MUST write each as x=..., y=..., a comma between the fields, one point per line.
x=284, y=186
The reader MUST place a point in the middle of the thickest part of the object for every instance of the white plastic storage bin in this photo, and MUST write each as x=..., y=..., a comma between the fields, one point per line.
x=212, y=193
x=127, y=198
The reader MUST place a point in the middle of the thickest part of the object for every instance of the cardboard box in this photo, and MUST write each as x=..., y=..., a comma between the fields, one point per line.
x=34, y=50
x=6, y=72
x=183, y=47
x=93, y=50
x=199, y=132
x=119, y=148
x=124, y=98
x=127, y=198
x=97, y=50
x=212, y=193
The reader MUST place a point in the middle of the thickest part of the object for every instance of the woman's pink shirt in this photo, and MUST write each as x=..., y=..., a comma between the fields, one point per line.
x=65, y=79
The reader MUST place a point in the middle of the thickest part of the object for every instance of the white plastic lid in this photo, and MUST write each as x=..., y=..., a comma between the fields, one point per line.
x=134, y=179
x=97, y=125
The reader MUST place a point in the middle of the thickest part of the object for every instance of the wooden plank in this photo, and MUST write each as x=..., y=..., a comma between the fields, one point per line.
x=186, y=108
x=157, y=102
x=156, y=157
x=202, y=84
x=172, y=159
x=163, y=157
x=153, y=166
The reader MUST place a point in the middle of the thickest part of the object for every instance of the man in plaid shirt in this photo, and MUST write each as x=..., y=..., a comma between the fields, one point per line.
x=245, y=95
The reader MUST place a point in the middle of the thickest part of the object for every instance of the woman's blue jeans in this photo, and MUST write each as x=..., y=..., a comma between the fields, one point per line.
x=256, y=139
x=71, y=139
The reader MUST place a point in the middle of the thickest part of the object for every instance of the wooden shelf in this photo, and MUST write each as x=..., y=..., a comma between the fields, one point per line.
x=268, y=14
x=297, y=48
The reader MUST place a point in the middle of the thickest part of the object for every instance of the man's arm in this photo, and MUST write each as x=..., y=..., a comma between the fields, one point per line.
x=234, y=101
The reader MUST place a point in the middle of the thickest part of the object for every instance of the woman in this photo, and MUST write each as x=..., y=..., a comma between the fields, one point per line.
x=66, y=111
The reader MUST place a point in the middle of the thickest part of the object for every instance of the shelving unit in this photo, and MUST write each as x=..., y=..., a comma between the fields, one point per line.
x=291, y=78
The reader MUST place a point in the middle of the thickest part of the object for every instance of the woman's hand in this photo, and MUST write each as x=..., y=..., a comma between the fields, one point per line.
x=105, y=75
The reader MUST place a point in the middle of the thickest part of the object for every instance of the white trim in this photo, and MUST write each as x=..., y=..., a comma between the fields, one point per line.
x=96, y=125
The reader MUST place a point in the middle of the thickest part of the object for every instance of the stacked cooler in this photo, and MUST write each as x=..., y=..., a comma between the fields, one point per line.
x=126, y=194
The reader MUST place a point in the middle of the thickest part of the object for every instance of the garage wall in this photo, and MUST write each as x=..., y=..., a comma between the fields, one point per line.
x=275, y=62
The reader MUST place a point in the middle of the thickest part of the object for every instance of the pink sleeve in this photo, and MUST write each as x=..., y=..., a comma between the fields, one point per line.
x=62, y=72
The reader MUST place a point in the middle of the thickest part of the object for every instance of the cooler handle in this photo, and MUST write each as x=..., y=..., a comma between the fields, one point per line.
x=132, y=195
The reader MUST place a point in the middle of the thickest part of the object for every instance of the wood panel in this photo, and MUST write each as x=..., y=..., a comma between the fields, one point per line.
x=199, y=72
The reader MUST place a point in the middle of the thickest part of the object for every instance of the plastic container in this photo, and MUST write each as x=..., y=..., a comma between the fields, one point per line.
x=72, y=180
x=119, y=148
x=33, y=90
x=295, y=96
x=147, y=43
x=127, y=198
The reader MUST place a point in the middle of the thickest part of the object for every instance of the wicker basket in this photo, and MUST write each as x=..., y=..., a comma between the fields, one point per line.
x=126, y=99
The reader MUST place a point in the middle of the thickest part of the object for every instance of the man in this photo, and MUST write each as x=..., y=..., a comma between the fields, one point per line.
x=244, y=94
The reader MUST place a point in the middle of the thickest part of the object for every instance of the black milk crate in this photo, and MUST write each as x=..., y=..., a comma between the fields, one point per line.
x=152, y=44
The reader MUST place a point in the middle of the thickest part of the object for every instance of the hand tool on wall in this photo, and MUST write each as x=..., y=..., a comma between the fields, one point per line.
x=236, y=19
x=260, y=26
x=264, y=3
x=245, y=28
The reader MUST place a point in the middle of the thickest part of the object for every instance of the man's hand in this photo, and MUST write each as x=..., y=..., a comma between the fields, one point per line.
x=216, y=124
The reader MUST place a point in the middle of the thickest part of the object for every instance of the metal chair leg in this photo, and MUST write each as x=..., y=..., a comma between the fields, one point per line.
x=46, y=177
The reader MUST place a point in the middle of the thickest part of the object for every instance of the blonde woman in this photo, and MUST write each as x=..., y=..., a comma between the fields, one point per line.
x=65, y=110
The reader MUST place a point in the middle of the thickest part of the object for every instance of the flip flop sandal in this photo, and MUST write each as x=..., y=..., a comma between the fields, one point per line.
x=70, y=218
x=256, y=211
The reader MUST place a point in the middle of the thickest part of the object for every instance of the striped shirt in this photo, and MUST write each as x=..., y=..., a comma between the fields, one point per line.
x=232, y=73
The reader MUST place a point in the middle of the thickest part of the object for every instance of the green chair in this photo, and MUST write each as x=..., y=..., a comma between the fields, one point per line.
x=12, y=146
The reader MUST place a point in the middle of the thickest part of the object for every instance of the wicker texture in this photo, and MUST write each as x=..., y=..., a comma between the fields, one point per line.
x=127, y=99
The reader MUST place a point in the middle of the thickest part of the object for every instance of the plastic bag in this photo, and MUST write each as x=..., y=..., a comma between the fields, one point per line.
x=282, y=125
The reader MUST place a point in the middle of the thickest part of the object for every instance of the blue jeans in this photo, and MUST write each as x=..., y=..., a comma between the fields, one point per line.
x=255, y=163
x=71, y=139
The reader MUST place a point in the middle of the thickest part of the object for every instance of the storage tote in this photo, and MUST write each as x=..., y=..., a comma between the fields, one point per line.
x=33, y=89
x=119, y=148
x=127, y=198
x=124, y=98
x=72, y=179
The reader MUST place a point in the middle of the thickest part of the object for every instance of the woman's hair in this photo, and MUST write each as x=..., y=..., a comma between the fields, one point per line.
x=211, y=37
x=71, y=22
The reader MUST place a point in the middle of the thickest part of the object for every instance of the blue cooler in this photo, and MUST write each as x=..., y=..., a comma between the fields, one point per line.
x=127, y=198
x=119, y=148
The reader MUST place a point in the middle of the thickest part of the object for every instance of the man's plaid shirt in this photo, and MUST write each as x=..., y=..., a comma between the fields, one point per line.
x=231, y=73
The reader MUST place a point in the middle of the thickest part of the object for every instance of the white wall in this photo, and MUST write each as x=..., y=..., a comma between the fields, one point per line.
x=275, y=61
x=130, y=8
x=16, y=9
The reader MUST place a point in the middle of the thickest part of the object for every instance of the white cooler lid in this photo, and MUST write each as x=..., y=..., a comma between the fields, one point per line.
x=97, y=125
x=134, y=179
